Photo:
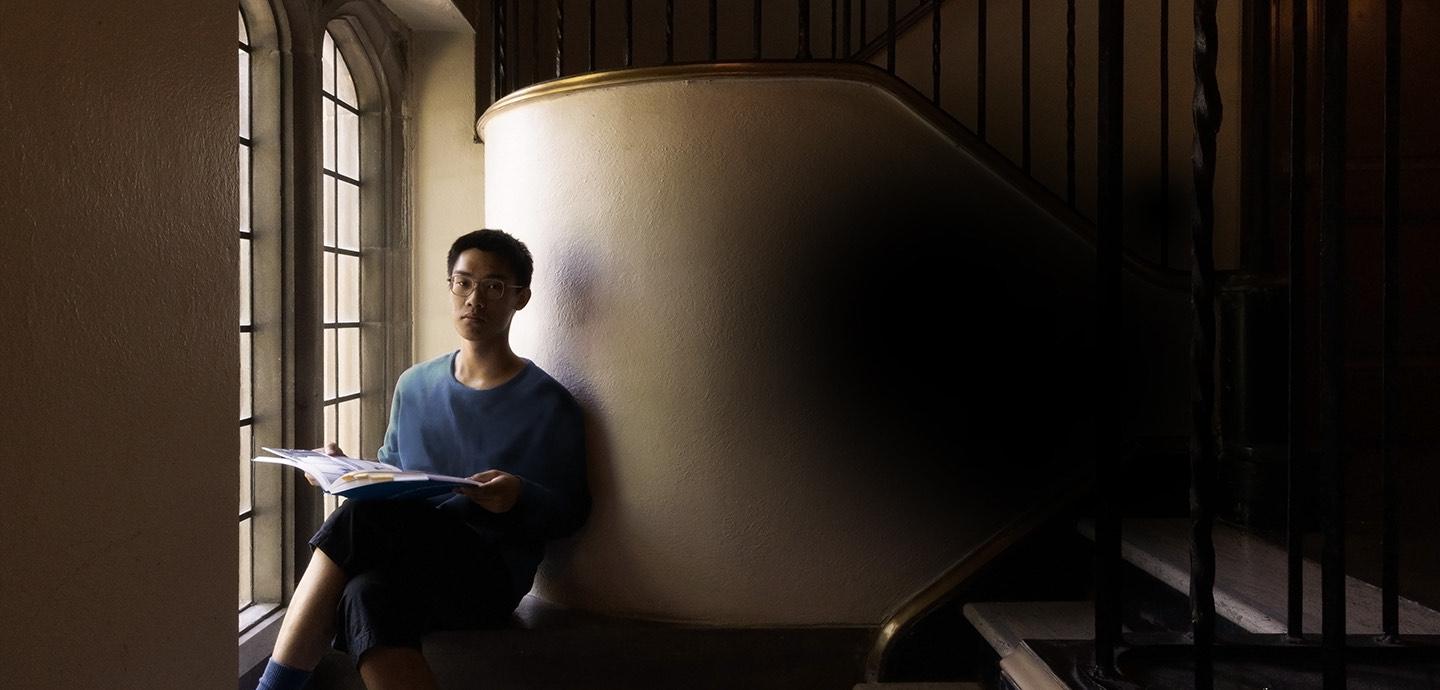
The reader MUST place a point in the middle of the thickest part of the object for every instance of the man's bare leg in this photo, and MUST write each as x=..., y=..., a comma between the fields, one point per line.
x=310, y=619
x=400, y=668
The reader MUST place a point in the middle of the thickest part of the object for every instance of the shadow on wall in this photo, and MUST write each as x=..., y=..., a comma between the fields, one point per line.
x=816, y=395
x=938, y=326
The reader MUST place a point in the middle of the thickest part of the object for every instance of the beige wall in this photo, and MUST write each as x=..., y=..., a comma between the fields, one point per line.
x=118, y=364
x=449, y=176
x=824, y=352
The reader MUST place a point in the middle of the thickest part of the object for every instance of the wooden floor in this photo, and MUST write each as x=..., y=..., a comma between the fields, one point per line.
x=1249, y=597
x=558, y=650
x=1071, y=661
x=1250, y=580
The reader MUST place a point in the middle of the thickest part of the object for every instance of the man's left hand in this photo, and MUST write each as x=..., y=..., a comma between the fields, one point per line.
x=498, y=491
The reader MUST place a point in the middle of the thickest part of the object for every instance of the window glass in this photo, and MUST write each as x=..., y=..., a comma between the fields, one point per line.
x=245, y=378
x=244, y=157
x=347, y=151
x=348, y=361
x=329, y=108
x=345, y=86
x=244, y=90
x=347, y=288
x=327, y=63
x=244, y=281
x=329, y=278
x=247, y=591
x=348, y=427
x=246, y=443
x=330, y=221
x=347, y=216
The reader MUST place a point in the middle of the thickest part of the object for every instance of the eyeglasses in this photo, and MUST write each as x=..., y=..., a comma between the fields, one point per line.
x=490, y=288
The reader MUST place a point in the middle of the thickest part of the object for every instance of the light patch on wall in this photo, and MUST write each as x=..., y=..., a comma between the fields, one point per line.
x=806, y=347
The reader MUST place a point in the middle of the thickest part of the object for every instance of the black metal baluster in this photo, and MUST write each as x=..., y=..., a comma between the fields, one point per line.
x=834, y=47
x=1296, y=467
x=1164, y=133
x=981, y=51
x=1208, y=113
x=1025, y=85
x=1390, y=365
x=1070, y=102
x=484, y=83
x=1109, y=228
x=1257, y=241
x=669, y=31
x=499, y=78
x=714, y=30
x=759, y=26
x=935, y=52
x=559, y=38
x=534, y=43
x=803, y=51
x=629, y=32
x=514, y=50
x=845, y=29
x=864, y=14
x=1332, y=175
x=890, y=36
x=590, y=44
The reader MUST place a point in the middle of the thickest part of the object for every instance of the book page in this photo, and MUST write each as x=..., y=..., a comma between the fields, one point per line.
x=354, y=477
x=326, y=469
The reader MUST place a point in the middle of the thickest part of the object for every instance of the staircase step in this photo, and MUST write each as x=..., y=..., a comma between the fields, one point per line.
x=1250, y=587
x=551, y=647
x=1025, y=670
x=918, y=686
x=1007, y=624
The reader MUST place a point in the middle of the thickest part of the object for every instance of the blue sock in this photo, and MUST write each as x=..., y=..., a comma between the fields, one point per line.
x=278, y=676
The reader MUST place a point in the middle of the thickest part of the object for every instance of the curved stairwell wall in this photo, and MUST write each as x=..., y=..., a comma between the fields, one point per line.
x=825, y=352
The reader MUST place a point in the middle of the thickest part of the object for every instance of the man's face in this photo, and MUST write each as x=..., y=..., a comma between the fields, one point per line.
x=480, y=315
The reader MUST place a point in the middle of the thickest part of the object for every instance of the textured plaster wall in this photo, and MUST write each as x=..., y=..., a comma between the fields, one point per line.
x=824, y=352
x=118, y=357
x=449, y=177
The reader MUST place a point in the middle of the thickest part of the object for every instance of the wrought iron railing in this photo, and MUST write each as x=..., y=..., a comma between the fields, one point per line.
x=521, y=49
x=852, y=37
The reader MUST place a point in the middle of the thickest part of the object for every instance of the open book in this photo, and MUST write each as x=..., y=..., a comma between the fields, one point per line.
x=355, y=478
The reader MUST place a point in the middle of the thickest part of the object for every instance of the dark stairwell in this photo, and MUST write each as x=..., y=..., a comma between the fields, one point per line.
x=1050, y=559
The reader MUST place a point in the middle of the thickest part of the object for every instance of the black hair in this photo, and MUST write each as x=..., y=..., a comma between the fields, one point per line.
x=500, y=243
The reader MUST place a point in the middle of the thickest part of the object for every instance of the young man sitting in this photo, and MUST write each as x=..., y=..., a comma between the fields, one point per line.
x=383, y=573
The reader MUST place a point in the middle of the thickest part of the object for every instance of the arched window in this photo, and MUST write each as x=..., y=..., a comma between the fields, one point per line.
x=342, y=257
x=324, y=264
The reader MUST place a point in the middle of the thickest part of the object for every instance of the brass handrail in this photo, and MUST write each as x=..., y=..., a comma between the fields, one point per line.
x=863, y=73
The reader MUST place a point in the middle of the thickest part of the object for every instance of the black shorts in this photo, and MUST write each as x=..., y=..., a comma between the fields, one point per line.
x=411, y=569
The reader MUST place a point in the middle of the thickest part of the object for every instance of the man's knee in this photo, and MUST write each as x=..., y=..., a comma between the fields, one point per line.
x=377, y=608
x=369, y=591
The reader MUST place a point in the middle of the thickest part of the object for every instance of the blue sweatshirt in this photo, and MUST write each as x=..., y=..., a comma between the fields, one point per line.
x=530, y=427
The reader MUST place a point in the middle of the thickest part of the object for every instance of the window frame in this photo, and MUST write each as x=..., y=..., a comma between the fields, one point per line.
x=287, y=209
x=270, y=569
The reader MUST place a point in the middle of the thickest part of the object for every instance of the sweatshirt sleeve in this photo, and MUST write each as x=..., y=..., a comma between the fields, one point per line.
x=555, y=499
x=390, y=449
